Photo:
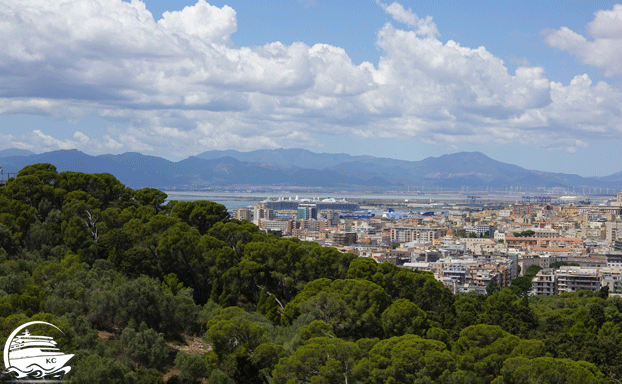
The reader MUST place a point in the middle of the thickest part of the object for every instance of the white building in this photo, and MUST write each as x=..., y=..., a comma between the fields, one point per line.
x=570, y=279
x=415, y=234
x=544, y=283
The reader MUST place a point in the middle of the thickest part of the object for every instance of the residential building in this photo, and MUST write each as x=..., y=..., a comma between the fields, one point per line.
x=544, y=283
x=242, y=214
x=332, y=217
x=261, y=211
x=306, y=211
x=282, y=226
x=613, y=231
x=343, y=237
x=570, y=279
x=523, y=210
x=480, y=230
x=415, y=234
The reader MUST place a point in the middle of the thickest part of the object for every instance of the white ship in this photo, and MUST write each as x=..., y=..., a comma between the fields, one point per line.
x=27, y=351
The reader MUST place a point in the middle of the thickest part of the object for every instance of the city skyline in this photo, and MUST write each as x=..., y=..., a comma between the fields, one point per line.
x=537, y=85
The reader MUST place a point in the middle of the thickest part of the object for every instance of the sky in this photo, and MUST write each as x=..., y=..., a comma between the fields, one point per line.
x=533, y=83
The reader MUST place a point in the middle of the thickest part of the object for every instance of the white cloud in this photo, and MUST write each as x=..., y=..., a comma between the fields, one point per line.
x=425, y=27
x=111, y=144
x=81, y=137
x=603, y=50
x=50, y=143
x=178, y=86
x=207, y=22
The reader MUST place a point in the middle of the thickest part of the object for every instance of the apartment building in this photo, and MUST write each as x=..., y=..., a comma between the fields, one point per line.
x=556, y=242
x=612, y=278
x=571, y=279
x=261, y=211
x=343, y=237
x=242, y=214
x=306, y=211
x=613, y=231
x=544, y=283
x=480, y=230
x=472, y=273
x=282, y=226
x=523, y=210
x=415, y=234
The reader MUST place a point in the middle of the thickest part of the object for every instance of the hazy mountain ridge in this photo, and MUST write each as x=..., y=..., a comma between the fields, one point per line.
x=285, y=158
x=15, y=152
x=616, y=177
x=284, y=168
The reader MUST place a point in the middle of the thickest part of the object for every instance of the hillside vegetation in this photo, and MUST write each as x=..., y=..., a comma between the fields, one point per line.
x=148, y=292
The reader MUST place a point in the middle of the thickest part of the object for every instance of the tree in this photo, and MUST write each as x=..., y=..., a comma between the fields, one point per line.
x=232, y=330
x=467, y=309
x=505, y=309
x=527, y=233
x=178, y=252
x=548, y=370
x=148, y=376
x=145, y=347
x=143, y=300
x=219, y=377
x=603, y=293
x=362, y=268
x=7, y=241
x=16, y=216
x=265, y=357
x=319, y=360
x=492, y=287
x=94, y=369
x=191, y=367
x=483, y=349
x=403, y=317
x=316, y=328
x=419, y=287
x=406, y=359
x=525, y=282
x=33, y=184
x=352, y=306
x=101, y=186
x=200, y=214
x=558, y=264
x=151, y=197
x=236, y=341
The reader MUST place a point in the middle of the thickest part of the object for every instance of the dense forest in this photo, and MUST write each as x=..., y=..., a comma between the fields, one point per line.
x=149, y=291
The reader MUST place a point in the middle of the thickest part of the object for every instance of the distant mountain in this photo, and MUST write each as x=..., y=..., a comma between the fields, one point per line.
x=137, y=170
x=286, y=158
x=305, y=169
x=15, y=152
x=464, y=169
x=616, y=177
x=133, y=169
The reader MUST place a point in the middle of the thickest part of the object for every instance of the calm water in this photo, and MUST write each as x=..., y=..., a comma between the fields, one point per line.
x=226, y=201
x=235, y=200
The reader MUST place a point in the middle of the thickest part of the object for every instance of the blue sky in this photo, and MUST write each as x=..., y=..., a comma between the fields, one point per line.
x=534, y=83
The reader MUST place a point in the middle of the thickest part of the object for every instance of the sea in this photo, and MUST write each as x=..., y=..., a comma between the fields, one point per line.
x=235, y=200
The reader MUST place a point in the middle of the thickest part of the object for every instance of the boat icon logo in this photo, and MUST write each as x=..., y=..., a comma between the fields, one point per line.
x=30, y=356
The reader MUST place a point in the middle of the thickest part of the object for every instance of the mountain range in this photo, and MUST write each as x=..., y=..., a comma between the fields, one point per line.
x=307, y=170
